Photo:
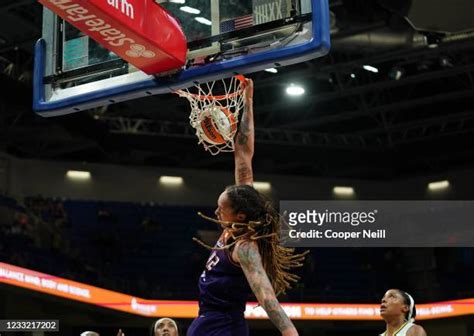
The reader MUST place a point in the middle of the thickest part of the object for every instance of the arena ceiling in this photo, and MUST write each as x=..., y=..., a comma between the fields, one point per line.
x=415, y=116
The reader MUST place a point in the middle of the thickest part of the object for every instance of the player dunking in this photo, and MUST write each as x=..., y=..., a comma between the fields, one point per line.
x=399, y=312
x=247, y=256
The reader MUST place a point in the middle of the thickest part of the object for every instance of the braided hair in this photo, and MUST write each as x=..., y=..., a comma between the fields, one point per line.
x=262, y=226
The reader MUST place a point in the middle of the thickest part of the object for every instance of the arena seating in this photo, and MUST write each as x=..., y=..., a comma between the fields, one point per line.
x=147, y=250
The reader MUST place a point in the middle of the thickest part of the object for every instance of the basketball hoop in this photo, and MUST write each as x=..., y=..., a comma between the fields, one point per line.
x=215, y=109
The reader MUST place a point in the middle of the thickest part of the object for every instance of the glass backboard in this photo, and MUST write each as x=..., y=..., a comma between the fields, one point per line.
x=224, y=37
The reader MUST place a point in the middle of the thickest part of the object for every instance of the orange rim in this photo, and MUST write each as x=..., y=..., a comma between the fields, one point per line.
x=232, y=95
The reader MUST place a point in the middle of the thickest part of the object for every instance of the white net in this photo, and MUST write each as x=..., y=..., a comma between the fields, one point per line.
x=215, y=110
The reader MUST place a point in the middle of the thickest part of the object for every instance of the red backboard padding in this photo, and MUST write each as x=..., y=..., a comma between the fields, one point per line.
x=139, y=31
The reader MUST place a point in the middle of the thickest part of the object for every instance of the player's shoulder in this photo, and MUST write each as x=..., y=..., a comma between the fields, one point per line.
x=244, y=249
x=416, y=330
x=246, y=245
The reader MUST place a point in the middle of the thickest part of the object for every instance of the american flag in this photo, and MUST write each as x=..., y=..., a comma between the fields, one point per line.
x=237, y=23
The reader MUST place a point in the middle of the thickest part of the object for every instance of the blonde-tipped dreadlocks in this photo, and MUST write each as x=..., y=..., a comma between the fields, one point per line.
x=263, y=226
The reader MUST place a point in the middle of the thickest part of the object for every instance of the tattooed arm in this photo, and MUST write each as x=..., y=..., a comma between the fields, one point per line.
x=244, y=140
x=247, y=254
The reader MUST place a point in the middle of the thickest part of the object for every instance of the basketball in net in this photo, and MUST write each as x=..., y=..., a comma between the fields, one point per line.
x=215, y=110
x=217, y=125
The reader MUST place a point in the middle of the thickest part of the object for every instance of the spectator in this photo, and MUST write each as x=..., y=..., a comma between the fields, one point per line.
x=165, y=327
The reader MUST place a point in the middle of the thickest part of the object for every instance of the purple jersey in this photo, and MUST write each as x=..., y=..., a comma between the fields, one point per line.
x=223, y=285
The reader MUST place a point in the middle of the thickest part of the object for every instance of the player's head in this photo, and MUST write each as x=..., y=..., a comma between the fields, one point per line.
x=89, y=333
x=165, y=327
x=247, y=214
x=241, y=203
x=396, y=303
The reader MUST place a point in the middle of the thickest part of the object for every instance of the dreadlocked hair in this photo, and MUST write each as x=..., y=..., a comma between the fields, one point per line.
x=262, y=226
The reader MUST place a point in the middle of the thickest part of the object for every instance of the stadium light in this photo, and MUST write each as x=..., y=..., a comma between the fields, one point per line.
x=371, y=68
x=295, y=90
x=396, y=73
x=438, y=185
x=203, y=21
x=171, y=180
x=343, y=191
x=271, y=70
x=190, y=10
x=262, y=186
x=78, y=175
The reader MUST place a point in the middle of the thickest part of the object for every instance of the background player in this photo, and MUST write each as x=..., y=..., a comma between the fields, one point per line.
x=165, y=327
x=399, y=312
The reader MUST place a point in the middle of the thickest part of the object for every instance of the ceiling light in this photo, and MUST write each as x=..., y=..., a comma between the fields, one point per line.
x=343, y=191
x=294, y=90
x=445, y=62
x=171, y=180
x=371, y=68
x=271, y=70
x=203, y=21
x=262, y=186
x=78, y=175
x=438, y=185
x=190, y=10
x=396, y=73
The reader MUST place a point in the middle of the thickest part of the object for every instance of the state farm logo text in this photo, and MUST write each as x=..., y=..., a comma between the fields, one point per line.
x=90, y=23
x=123, y=6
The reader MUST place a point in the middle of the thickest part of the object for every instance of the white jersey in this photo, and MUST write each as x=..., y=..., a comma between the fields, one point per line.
x=402, y=331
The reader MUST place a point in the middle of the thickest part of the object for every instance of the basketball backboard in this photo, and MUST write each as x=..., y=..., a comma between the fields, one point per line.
x=224, y=37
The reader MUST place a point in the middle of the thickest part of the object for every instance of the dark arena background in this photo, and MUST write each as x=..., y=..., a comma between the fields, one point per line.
x=107, y=199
